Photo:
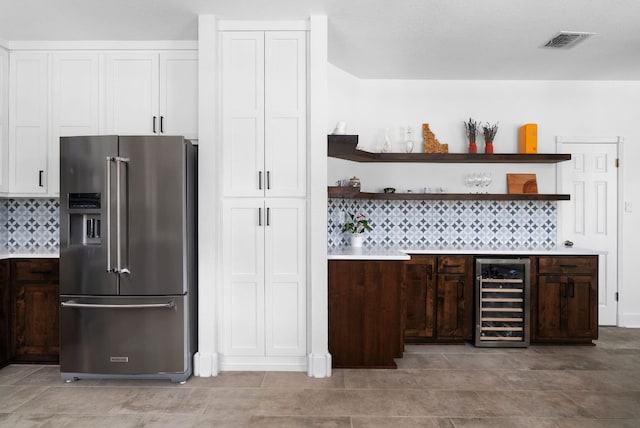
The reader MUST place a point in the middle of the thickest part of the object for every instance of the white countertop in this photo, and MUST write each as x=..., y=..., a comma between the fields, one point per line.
x=350, y=253
x=30, y=256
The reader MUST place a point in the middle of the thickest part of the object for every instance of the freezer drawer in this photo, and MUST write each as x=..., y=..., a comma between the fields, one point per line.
x=124, y=337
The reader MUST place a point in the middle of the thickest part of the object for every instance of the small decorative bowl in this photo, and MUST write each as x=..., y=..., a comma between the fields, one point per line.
x=389, y=190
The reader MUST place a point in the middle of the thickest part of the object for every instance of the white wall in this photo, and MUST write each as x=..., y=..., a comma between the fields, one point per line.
x=561, y=108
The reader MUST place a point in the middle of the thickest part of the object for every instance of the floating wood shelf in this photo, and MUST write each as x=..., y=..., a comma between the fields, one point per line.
x=354, y=193
x=344, y=147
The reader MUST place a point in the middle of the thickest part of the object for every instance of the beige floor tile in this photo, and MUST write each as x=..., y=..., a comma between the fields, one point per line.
x=300, y=422
x=14, y=373
x=488, y=361
x=541, y=404
x=380, y=379
x=608, y=405
x=79, y=400
x=227, y=380
x=423, y=361
x=14, y=396
x=300, y=380
x=232, y=401
x=459, y=380
x=401, y=422
x=509, y=422
x=17, y=420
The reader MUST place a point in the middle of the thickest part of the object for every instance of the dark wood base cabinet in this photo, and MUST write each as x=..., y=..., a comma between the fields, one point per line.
x=364, y=313
x=438, y=299
x=34, y=305
x=5, y=320
x=564, y=299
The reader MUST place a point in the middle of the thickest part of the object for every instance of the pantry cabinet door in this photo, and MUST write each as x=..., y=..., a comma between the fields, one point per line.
x=285, y=113
x=75, y=106
x=285, y=277
x=243, y=113
x=131, y=88
x=179, y=94
x=4, y=120
x=243, y=276
x=28, y=133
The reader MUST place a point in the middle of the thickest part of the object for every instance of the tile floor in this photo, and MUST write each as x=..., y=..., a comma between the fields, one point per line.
x=434, y=386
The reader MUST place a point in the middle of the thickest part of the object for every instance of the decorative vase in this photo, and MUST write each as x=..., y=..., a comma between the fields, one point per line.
x=473, y=148
x=356, y=240
x=488, y=147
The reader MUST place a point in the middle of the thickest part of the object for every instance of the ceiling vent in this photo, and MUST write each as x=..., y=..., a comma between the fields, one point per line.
x=567, y=39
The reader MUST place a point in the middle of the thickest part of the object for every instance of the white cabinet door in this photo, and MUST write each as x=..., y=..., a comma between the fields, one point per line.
x=75, y=103
x=179, y=94
x=264, y=259
x=131, y=88
x=285, y=277
x=28, y=127
x=285, y=113
x=243, y=113
x=243, y=276
x=4, y=120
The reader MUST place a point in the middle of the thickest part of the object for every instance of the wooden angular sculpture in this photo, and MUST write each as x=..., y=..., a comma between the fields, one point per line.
x=431, y=143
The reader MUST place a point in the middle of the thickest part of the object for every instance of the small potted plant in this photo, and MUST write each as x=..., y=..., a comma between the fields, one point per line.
x=490, y=132
x=471, y=127
x=356, y=225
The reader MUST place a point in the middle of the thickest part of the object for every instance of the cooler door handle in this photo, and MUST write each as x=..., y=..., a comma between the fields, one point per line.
x=72, y=304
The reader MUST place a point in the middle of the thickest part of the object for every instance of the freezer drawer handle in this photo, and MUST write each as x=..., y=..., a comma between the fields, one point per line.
x=72, y=304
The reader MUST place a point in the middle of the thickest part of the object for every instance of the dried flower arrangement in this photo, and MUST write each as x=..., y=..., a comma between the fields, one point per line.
x=472, y=130
x=489, y=131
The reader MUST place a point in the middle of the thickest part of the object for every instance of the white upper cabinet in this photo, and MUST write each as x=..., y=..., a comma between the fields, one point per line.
x=179, y=94
x=28, y=123
x=151, y=93
x=131, y=87
x=4, y=120
x=75, y=103
x=264, y=113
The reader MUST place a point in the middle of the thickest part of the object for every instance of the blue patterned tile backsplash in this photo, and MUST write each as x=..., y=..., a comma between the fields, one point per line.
x=449, y=224
x=31, y=226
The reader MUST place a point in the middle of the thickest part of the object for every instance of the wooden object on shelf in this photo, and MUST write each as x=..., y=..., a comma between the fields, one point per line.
x=522, y=184
x=35, y=318
x=348, y=192
x=345, y=147
x=564, y=299
x=431, y=143
x=528, y=138
x=365, y=313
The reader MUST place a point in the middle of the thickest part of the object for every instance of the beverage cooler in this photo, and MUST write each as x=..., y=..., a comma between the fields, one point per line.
x=502, y=296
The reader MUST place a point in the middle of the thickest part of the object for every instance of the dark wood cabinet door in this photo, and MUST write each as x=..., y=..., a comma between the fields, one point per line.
x=454, y=301
x=36, y=333
x=5, y=354
x=582, y=307
x=551, y=301
x=35, y=317
x=419, y=297
x=364, y=313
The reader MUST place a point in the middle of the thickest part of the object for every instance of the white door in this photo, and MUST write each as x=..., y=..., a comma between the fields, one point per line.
x=285, y=277
x=75, y=104
x=179, y=93
x=4, y=120
x=590, y=219
x=131, y=88
x=285, y=113
x=243, y=113
x=243, y=276
x=28, y=133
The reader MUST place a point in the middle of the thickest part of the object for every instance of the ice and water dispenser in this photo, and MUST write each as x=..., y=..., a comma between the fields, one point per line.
x=84, y=218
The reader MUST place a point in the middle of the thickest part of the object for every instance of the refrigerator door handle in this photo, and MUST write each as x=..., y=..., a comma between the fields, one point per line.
x=73, y=304
x=119, y=269
x=109, y=159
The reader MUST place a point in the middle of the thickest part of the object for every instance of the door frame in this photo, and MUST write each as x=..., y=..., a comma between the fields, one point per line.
x=618, y=141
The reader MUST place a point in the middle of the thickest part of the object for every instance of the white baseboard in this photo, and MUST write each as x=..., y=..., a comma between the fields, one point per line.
x=319, y=365
x=205, y=365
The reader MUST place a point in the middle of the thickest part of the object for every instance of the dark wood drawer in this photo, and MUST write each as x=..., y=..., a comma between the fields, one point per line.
x=36, y=270
x=564, y=265
x=4, y=270
x=453, y=264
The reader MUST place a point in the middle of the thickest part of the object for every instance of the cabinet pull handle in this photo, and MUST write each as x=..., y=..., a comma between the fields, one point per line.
x=259, y=180
x=268, y=180
x=162, y=124
x=42, y=271
x=154, y=124
x=259, y=216
x=572, y=284
x=40, y=178
x=268, y=216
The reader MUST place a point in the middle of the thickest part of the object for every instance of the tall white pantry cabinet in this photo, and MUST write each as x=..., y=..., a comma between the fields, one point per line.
x=264, y=149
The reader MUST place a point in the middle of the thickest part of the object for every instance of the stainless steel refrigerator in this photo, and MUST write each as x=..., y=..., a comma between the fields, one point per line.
x=127, y=257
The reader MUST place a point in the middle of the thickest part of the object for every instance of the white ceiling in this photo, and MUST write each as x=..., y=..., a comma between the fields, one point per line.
x=390, y=39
